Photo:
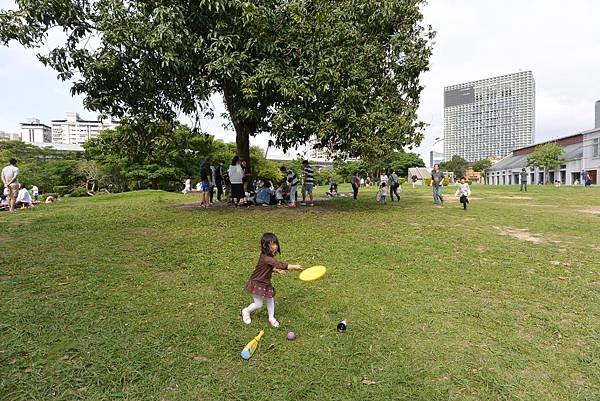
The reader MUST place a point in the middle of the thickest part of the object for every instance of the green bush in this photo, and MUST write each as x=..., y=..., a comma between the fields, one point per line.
x=402, y=180
x=446, y=182
x=79, y=193
x=61, y=190
x=470, y=182
x=428, y=182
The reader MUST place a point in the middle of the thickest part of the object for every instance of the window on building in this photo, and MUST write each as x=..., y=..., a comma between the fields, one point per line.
x=596, y=147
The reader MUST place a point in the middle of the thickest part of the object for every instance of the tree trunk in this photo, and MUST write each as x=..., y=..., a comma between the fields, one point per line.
x=243, y=128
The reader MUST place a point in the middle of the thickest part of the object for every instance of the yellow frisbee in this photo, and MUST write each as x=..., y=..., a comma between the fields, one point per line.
x=313, y=273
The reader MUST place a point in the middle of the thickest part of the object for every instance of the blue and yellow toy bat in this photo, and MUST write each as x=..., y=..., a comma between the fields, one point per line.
x=249, y=349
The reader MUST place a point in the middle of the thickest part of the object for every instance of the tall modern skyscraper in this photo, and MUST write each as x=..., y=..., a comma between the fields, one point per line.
x=489, y=117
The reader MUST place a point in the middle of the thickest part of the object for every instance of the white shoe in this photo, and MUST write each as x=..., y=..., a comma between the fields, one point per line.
x=246, y=317
x=274, y=322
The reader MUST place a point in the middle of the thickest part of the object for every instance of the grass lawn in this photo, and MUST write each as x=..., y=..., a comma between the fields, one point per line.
x=137, y=296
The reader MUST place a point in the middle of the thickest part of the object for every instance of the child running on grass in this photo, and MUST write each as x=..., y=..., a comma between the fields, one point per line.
x=259, y=286
x=464, y=191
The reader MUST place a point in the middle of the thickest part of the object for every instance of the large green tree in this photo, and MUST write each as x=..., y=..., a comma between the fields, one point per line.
x=345, y=71
x=481, y=165
x=548, y=155
x=457, y=165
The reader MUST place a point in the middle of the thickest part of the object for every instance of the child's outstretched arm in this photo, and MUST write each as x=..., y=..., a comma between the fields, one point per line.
x=294, y=267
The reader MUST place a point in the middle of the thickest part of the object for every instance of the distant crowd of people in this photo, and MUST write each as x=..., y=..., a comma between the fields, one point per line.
x=236, y=185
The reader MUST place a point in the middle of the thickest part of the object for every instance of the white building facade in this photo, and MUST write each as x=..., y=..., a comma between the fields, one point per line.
x=35, y=132
x=580, y=152
x=75, y=131
x=489, y=117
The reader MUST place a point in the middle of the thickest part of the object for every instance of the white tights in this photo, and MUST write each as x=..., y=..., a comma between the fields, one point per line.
x=258, y=303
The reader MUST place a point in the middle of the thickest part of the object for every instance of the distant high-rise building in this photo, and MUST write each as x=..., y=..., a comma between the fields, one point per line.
x=597, y=124
x=75, y=131
x=489, y=117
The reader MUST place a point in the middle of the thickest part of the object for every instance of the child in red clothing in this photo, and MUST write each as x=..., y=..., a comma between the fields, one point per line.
x=259, y=286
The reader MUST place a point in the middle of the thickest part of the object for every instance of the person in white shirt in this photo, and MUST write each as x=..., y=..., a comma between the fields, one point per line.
x=23, y=198
x=188, y=186
x=383, y=178
x=236, y=177
x=10, y=179
x=464, y=191
x=35, y=192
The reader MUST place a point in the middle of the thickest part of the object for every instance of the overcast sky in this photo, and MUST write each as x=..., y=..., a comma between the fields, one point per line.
x=559, y=41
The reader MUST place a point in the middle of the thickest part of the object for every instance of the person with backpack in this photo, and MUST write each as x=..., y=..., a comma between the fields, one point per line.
x=394, y=185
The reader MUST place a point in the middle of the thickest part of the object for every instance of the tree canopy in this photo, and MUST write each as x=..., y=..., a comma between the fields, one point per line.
x=457, y=165
x=43, y=167
x=481, y=165
x=172, y=156
x=548, y=155
x=346, y=72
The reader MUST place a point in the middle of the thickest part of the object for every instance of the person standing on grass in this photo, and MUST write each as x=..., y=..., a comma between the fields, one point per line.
x=414, y=180
x=463, y=191
x=356, y=183
x=437, y=180
x=382, y=195
x=206, y=179
x=523, y=176
x=236, y=178
x=292, y=180
x=383, y=178
x=259, y=286
x=394, y=185
x=247, y=176
x=10, y=179
x=218, y=180
x=308, y=182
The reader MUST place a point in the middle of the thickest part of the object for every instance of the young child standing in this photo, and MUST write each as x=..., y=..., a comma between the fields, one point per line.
x=259, y=286
x=464, y=191
x=382, y=195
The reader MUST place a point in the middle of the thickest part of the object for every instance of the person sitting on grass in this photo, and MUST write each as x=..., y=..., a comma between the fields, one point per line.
x=333, y=190
x=23, y=198
x=3, y=202
x=464, y=191
x=282, y=192
x=264, y=194
x=259, y=285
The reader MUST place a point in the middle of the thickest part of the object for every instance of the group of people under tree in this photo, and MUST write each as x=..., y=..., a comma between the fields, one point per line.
x=237, y=185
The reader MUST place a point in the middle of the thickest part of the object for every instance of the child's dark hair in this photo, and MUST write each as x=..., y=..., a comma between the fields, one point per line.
x=463, y=178
x=383, y=184
x=266, y=239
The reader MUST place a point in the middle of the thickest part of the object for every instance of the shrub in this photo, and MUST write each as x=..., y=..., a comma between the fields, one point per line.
x=470, y=182
x=446, y=182
x=428, y=182
x=402, y=180
x=79, y=192
x=61, y=190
